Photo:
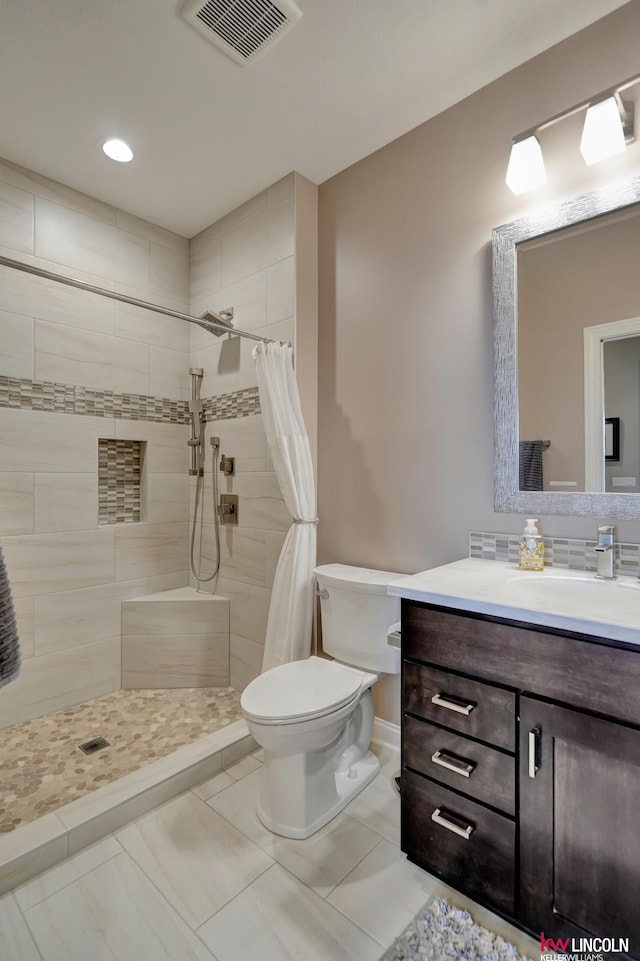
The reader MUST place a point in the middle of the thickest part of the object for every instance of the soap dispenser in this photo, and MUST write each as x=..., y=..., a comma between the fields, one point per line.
x=531, y=551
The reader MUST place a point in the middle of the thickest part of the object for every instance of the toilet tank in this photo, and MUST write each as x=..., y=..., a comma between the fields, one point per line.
x=357, y=614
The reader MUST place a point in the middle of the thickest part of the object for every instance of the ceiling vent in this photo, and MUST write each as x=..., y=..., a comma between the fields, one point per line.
x=243, y=29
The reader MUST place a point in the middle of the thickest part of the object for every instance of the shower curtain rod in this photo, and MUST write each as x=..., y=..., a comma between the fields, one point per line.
x=211, y=326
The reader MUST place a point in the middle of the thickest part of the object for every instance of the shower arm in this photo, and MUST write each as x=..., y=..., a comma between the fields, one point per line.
x=216, y=327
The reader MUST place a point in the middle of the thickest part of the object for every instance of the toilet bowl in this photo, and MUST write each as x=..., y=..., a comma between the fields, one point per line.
x=314, y=718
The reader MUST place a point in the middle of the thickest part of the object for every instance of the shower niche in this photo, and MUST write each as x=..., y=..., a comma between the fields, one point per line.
x=120, y=472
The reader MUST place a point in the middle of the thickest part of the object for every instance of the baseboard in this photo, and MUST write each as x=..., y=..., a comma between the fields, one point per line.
x=384, y=732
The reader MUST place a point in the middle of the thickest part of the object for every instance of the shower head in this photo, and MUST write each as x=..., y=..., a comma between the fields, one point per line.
x=223, y=317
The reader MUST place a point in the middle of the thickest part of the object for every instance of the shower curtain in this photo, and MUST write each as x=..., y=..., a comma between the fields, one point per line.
x=288, y=635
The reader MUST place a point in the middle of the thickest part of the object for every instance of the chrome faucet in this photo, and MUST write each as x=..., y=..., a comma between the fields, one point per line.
x=604, y=554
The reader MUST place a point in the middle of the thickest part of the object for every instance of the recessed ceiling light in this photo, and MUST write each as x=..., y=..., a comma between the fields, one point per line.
x=117, y=150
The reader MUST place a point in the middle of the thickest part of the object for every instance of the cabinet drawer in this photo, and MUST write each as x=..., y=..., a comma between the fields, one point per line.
x=478, y=770
x=483, y=865
x=471, y=707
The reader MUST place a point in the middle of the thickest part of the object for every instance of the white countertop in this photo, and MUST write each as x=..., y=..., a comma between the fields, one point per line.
x=568, y=600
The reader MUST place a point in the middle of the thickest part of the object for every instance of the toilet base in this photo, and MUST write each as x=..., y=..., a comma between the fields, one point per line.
x=347, y=785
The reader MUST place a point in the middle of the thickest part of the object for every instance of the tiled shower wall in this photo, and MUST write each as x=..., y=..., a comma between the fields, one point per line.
x=69, y=574
x=246, y=260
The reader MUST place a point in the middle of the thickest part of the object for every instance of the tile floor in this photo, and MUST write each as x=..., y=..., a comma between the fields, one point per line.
x=42, y=768
x=200, y=879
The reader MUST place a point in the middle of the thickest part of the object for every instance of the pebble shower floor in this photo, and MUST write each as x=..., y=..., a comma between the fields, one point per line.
x=43, y=768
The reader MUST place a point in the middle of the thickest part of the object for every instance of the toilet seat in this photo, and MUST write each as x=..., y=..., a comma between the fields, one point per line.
x=302, y=690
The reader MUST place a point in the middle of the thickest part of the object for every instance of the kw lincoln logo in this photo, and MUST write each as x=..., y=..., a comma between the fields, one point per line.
x=580, y=949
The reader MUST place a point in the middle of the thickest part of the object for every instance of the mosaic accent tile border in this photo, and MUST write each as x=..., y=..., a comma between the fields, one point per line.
x=119, y=472
x=239, y=403
x=24, y=394
x=562, y=552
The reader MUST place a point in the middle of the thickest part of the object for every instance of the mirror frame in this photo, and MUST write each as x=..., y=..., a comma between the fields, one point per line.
x=507, y=494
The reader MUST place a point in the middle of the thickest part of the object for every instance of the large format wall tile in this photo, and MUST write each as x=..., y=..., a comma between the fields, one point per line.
x=46, y=563
x=169, y=373
x=167, y=498
x=16, y=218
x=248, y=298
x=281, y=291
x=41, y=186
x=72, y=356
x=262, y=505
x=167, y=451
x=146, y=549
x=260, y=242
x=151, y=232
x=74, y=618
x=16, y=345
x=67, y=237
x=249, y=608
x=178, y=612
x=65, y=502
x=49, y=442
x=16, y=503
x=175, y=660
x=245, y=661
x=58, y=680
x=148, y=327
x=24, y=611
x=30, y=296
x=169, y=273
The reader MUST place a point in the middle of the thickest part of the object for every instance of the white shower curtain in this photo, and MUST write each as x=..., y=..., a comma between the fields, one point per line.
x=288, y=635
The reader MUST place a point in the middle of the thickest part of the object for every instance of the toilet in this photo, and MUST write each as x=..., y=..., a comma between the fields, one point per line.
x=314, y=718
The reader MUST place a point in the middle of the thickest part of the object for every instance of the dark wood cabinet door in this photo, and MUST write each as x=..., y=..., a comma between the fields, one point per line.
x=579, y=825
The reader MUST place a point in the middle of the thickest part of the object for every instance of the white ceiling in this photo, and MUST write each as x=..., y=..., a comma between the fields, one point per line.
x=351, y=76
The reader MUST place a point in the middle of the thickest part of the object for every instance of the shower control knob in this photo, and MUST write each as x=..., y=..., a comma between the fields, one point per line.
x=227, y=465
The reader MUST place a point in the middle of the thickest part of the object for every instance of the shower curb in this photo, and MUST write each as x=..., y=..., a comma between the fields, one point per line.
x=45, y=842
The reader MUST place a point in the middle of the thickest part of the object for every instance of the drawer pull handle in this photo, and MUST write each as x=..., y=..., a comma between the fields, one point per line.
x=534, y=752
x=452, y=823
x=457, y=704
x=452, y=763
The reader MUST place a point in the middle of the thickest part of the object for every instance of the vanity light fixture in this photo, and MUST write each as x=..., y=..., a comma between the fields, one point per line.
x=604, y=134
x=117, y=149
x=526, y=165
x=608, y=128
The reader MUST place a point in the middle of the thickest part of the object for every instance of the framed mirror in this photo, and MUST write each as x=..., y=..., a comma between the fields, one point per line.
x=566, y=293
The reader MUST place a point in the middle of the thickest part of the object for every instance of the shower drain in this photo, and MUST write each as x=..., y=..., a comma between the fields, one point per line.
x=95, y=744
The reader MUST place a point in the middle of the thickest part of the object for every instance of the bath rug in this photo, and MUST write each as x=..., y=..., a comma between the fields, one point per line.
x=440, y=932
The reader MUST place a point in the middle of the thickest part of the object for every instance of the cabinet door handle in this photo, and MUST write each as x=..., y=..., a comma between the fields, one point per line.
x=534, y=754
x=457, y=704
x=452, y=763
x=453, y=824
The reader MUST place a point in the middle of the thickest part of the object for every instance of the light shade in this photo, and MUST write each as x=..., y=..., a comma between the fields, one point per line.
x=117, y=150
x=603, y=133
x=526, y=166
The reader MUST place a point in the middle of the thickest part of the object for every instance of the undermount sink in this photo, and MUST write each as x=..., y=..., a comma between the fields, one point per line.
x=573, y=600
x=584, y=595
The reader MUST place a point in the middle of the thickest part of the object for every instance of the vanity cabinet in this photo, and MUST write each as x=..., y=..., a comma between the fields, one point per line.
x=521, y=769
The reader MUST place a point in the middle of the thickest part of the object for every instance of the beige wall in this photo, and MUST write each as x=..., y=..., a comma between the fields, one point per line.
x=68, y=574
x=405, y=342
x=405, y=423
x=576, y=279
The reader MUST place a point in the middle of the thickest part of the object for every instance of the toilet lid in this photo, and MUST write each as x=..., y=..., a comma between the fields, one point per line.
x=301, y=689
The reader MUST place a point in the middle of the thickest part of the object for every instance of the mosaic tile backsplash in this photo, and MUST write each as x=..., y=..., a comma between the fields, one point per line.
x=119, y=472
x=25, y=394
x=571, y=554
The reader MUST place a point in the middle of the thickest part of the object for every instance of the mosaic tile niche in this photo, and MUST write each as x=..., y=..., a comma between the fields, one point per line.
x=119, y=480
